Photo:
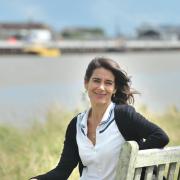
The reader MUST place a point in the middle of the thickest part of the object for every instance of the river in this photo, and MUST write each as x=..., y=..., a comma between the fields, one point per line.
x=30, y=85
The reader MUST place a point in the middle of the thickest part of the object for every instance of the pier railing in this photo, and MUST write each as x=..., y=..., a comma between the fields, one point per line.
x=76, y=46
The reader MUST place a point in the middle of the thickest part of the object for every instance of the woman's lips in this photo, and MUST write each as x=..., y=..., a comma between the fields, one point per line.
x=100, y=95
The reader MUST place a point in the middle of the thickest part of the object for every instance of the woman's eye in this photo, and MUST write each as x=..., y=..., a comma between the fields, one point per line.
x=96, y=80
x=109, y=83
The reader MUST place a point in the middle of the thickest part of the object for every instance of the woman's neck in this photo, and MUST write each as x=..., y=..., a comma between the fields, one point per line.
x=97, y=112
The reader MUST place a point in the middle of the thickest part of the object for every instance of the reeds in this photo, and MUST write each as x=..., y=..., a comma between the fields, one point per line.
x=34, y=150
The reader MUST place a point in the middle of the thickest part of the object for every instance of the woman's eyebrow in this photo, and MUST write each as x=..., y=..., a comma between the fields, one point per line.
x=96, y=78
x=108, y=80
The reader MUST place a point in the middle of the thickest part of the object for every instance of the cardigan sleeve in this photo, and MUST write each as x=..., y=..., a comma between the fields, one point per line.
x=153, y=136
x=69, y=157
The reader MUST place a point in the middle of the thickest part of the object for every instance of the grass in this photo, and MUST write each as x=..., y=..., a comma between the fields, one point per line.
x=36, y=149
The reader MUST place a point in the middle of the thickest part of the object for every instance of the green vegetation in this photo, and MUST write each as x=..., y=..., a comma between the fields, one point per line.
x=83, y=33
x=169, y=120
x=35, y=150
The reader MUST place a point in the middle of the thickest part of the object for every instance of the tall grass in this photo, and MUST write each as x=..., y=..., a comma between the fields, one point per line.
x=36, y=149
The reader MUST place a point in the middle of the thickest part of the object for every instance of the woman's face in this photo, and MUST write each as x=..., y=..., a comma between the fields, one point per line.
x=101, y=86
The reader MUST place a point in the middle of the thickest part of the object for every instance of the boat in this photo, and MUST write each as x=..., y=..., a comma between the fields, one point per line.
x=42, y=51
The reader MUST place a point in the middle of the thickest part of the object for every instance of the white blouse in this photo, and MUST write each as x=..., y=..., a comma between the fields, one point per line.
x=100, y=159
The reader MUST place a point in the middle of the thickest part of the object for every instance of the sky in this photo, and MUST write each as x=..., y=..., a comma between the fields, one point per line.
x=114, y=16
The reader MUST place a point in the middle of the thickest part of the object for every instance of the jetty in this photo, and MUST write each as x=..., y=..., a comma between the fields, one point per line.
x=89, y=46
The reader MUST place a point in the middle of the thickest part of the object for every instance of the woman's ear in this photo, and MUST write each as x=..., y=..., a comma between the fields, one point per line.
x=85, y=84
x=114, y=92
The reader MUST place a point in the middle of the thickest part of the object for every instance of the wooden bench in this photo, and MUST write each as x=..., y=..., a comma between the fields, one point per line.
x=132, y=160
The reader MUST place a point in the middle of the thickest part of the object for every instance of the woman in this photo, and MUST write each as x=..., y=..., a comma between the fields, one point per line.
x=94, y=138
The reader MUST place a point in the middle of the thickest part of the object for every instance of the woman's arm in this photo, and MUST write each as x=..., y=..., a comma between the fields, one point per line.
x=69, y=157
x=153, y=135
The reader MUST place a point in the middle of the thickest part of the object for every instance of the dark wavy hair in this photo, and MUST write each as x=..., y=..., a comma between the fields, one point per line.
x=124, y=94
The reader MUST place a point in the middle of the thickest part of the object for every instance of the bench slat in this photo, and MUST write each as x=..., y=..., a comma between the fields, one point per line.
x=157, y=156
x=149, y=173
x=137, y=174
x=132, y=160
x=160, y=171
x=171, y=171
x=179, y=174
x=126, y=162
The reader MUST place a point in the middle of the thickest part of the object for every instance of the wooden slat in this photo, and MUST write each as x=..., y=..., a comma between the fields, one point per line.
x=132, y=160
x=151, y=157
x=127, y=160
x=160, y=171
x=171, y=171
x=137, y=174
x=149, y=173
x=179, y=174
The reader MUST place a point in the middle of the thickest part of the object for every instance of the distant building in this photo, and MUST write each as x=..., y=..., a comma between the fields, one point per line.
x=82, y=33
x=165, y=32
x=170, y=32
x=34, y=32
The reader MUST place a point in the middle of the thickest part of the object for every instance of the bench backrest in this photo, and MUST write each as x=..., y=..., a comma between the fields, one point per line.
x=132, y=160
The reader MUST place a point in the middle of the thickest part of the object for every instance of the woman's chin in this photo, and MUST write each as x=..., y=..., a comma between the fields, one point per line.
x=101, y=102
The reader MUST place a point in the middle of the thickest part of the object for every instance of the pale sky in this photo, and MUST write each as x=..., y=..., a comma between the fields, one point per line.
x=114, y=16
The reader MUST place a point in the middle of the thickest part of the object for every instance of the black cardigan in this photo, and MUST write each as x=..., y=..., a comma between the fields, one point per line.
x=132, y=125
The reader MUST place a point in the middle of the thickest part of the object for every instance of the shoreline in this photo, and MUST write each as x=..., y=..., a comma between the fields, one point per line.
x=91, y=46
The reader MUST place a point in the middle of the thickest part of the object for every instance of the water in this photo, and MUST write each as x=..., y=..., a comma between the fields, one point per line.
x=30, y=85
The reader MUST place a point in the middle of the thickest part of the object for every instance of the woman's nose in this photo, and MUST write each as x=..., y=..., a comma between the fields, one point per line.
x=101, y=86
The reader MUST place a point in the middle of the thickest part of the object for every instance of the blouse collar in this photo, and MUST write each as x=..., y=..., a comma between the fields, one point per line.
x=105, y=119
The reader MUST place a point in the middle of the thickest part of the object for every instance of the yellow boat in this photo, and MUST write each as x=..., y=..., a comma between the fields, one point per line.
x=42, y=51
